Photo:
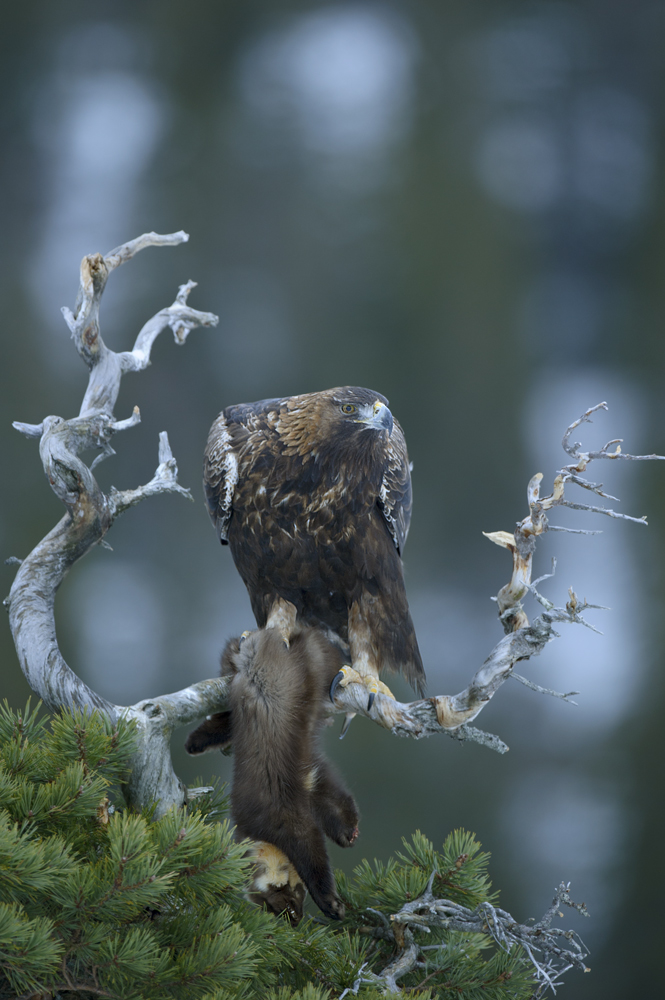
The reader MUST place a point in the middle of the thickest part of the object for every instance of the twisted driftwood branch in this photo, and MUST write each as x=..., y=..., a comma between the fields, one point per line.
x=90, y=514
x=542, y=943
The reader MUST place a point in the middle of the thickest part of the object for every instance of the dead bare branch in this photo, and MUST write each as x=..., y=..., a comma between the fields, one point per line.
x=90, y=515
x=551, y=950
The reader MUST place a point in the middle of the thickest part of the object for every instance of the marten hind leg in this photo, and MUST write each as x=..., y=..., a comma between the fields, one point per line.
x=307, y=853
x=334, y=807
x=297, y=835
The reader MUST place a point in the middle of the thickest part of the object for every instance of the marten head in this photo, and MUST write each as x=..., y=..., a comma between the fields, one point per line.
x=275, y=883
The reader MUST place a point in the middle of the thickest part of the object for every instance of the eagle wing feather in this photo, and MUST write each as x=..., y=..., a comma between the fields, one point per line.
x=395, y=497
x=220, y=475
x=234, y=428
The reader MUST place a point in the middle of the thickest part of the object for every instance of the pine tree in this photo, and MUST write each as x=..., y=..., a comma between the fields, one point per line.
x=98, y=901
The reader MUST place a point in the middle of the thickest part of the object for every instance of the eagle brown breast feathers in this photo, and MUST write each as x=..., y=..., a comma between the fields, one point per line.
x=312, y=493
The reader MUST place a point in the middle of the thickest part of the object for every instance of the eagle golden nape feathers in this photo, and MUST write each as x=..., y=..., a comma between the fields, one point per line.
x=312, y=493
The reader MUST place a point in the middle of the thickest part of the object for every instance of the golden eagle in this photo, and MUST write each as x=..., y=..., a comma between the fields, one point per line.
x=313, y=495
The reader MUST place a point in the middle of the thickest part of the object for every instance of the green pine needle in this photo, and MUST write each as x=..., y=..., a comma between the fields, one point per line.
x=101, y=901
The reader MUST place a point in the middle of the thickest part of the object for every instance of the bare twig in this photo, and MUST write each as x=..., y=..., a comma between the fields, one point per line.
x=573, y=531
x=543, y=690
x=583, y=458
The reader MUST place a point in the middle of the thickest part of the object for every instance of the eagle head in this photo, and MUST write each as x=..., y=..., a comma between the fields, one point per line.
x=318, y=424
x=362, y=407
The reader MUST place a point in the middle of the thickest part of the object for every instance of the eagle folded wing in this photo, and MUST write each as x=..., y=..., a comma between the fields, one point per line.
x=395, y=497
x=236, y=429
x=220, y=475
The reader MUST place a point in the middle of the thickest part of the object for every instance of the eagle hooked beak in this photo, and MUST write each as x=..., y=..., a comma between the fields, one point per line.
x=378, y=417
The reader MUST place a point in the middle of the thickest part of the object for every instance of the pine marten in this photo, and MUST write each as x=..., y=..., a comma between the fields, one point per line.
x=284, y=791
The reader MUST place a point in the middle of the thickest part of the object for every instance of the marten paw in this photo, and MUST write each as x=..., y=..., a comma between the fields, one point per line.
x=287, y=900
x=348, y=815
x=213, y=734
x=348, y=837
x=332, y=906
x=342, y=831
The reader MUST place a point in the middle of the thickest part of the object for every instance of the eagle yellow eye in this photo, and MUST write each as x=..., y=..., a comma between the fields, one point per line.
x=348, y=408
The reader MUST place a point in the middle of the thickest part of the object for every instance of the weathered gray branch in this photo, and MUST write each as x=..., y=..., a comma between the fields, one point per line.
x=90, y=515
x=450, y=713
x=551, y=950
x=152, y=777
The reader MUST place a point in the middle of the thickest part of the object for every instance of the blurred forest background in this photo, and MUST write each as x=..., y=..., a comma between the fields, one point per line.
x=459, y=204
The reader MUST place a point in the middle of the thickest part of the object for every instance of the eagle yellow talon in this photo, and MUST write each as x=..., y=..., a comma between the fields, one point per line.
x=342, y=679
x=347, y=675
x=375, y=686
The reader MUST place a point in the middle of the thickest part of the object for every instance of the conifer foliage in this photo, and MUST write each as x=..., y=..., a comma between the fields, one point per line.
x=98, y=901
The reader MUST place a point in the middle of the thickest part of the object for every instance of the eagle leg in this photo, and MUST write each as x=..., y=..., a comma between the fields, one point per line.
x=283, y=617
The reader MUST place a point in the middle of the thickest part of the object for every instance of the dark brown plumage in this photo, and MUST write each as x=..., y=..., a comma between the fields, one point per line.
x=313, y=495
x=284, y=790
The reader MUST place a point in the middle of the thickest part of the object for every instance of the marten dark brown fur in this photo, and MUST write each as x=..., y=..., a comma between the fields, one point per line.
x=284, y=791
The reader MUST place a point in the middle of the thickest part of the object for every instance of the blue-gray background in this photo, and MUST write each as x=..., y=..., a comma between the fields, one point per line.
x=459, y=204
